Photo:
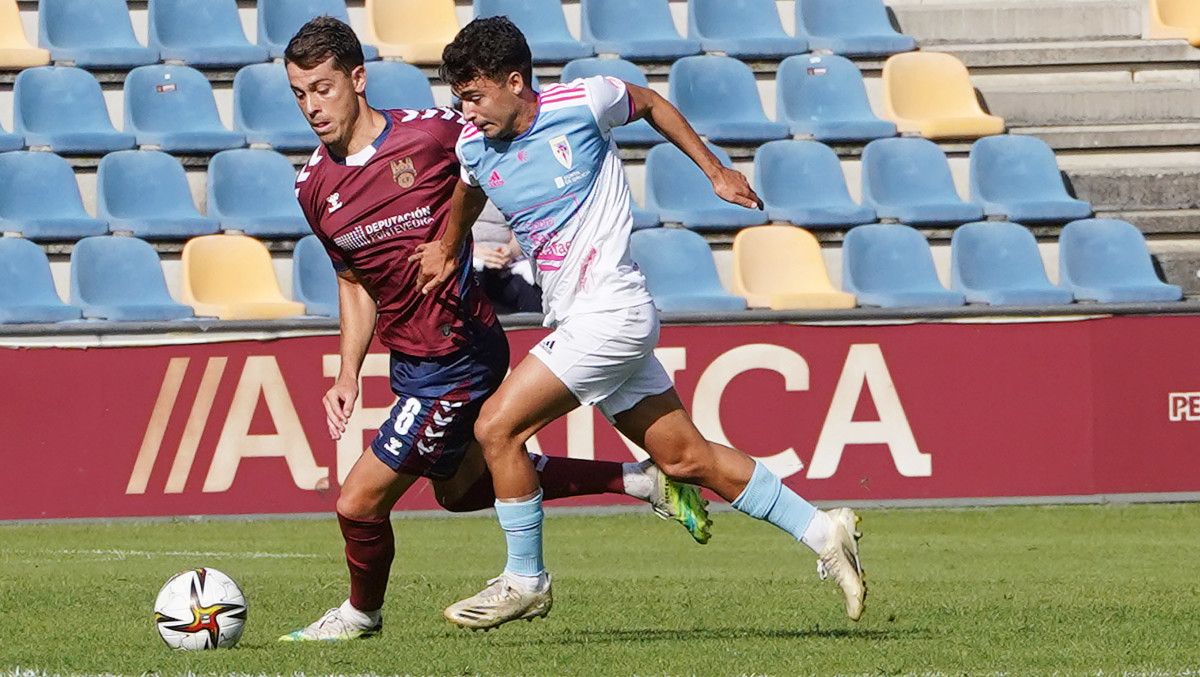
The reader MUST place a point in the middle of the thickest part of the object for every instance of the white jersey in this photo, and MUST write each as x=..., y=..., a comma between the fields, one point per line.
x=561, y=187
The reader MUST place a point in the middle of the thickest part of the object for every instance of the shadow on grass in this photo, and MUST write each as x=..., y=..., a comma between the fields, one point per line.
x=648, y=635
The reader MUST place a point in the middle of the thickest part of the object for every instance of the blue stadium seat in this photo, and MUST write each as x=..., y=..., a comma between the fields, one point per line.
x=858, y=27
x=279, y=20
x=543, y=24
x=201, y=33
x=824, y=97
x=10, y=141
x=998, y=263
x=172, y=107
x=638, y=30
x=638, y=133
x=40, y=199
x=91, y=34
x=26, y=286
x=252, y=191
x=680, y=272
x=744, y=29
x=393, y=84
x=63, y=109
x=314, y=283
x=121, y=279
x=644, y=218
x=890, y=265
x=802, y=182
x=1106, y=260
x=146, y=193
x=265, y=110
x=1017, y=177
x=909, y=180
x=719, y=96
x=679, y=192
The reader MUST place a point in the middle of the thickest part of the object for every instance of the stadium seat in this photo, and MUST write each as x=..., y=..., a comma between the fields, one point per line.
x=780, y=267
x=744, y=29
x=857, y=27
x=279, y=20
x=414, y=30
x=930, y=93
x=998, y=263
x=679, y=192
x=544, y=26
x=40, y=199
x=10, y=141
x=146, y=193
x=801, y=182
x=1106, y=260
x=231, y=277
x=719, y=96
x=172, y=107
x=265, y=110
x=638, y=30
x=391, y=84
x=314, y=283
x=91, y=34
x=27, y=292
x=644, y=218
x=16, y=51
x=63, y=109
x=251, y=190
x=909, y=180
x=824, y=97
x=890, y=265
x=680, y=272
x=121, y=279
x=638, y=133
x=1174, y=19
x=201, y=33
x=1017, y=178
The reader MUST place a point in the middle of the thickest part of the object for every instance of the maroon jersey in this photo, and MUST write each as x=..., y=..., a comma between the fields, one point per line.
x=372, y=209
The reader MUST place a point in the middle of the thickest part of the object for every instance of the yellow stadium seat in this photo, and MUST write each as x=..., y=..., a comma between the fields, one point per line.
x=231, y=277
x=1175, y=19
x=780, y=267
x=15, y=49
x=414, y=30
x=930, y=93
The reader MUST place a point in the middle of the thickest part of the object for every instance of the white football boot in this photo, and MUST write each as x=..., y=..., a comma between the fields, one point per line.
x=839, y=560
x=503, y=600
x=336, y=626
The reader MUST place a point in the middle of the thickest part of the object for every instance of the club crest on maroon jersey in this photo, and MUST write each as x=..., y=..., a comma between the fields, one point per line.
x=404, y=173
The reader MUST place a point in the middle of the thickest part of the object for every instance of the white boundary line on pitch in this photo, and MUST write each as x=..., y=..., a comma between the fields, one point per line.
x=116, y=554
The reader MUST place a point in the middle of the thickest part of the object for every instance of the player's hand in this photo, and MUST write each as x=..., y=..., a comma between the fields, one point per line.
x=437, y=265
x=339, y=403
x=496, y=257
x=731, y=186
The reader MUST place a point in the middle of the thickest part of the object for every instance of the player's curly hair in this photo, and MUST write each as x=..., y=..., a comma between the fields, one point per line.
x=491, y=48
x=322, y=38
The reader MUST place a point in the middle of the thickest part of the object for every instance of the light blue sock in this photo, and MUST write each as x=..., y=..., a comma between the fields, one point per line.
x=766, y=498
x=522, y=524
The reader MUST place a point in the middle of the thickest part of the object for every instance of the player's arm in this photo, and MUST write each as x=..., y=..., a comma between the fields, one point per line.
x=729, y=184
x=357, y=309
x=439, y=258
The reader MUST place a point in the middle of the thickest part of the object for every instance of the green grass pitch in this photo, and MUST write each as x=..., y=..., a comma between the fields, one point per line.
x=1089, y=589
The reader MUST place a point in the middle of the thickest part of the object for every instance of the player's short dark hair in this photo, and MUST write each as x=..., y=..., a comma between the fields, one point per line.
x=322, y=38
x=491, y=48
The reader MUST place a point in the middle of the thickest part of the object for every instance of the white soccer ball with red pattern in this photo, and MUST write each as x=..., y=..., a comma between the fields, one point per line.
x=200, y=609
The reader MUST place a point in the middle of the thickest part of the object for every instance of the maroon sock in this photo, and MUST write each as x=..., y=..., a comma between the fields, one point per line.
x=370, y=547
x=560, y=477
x=563, y=477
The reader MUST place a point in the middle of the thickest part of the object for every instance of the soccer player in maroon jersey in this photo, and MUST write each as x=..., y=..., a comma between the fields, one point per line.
x=378, y=186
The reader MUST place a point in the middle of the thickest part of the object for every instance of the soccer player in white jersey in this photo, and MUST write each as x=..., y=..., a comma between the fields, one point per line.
x=547, y=160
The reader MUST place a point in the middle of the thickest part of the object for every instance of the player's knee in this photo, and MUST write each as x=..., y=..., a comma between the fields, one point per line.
x=358, y=506
x=495, y=434
x=688, y=462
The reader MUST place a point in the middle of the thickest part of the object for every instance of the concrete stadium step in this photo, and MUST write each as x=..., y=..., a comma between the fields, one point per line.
x=984, y=22
x=1067, y=105
x=1091, y=137
x=1134, y=52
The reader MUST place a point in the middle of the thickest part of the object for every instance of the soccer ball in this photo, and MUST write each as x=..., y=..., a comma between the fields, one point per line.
x=200, y=609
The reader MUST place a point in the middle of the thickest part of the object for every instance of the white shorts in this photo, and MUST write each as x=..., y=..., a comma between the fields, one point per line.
x=607, y=358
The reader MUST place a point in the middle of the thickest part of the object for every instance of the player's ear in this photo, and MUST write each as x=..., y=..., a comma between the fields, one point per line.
x=358, y=76
x=516, y=83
